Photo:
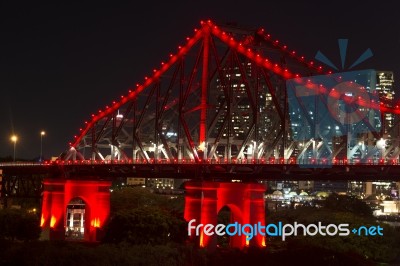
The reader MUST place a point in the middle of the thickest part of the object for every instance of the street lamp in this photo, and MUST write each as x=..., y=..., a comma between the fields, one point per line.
x=42, y=133
x=14, y=139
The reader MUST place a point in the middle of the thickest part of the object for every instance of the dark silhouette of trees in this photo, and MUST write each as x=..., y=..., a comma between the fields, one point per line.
x=139, y=216
x=345, y=203
x=19, y=225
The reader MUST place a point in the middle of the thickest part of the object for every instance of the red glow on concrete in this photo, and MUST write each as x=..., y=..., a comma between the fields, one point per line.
x=53, y=221
x=95, y=223
x=42, y=221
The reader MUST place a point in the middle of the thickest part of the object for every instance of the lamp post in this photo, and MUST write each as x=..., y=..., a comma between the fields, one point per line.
x=42, y=133
x=14, y=139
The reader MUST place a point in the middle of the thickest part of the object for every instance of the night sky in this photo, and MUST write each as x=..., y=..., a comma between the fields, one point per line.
x=59, y=63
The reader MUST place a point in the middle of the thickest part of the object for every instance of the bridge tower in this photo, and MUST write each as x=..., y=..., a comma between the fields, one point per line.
x=76, y=208
x=205, y=199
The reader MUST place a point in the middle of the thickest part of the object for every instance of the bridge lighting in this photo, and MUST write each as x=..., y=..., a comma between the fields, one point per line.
x=381, y=143
x=119, y=116
x=202, y=146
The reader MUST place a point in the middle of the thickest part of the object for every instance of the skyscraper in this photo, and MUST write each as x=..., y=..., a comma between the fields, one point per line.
x=385, y=88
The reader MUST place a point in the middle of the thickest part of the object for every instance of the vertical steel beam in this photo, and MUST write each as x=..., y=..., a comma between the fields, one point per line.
x=204, y=93
x=134, y=129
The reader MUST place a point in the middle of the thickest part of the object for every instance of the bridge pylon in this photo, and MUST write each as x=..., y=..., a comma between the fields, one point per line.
x=75, y=209
x=205, y=199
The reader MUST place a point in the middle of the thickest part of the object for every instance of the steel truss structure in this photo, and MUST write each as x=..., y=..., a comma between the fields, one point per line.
x=221, y=97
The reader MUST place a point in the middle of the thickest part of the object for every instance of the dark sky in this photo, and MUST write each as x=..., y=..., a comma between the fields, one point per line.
x=61, y=62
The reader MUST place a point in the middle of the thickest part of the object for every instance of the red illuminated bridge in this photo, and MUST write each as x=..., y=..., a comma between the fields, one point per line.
x=214, y=110
x=221, y=99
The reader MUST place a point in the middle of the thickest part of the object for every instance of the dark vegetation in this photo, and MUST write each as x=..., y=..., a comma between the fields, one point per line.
x=149, y=229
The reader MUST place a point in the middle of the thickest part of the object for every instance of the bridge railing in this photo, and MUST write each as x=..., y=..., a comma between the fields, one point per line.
x=270, y=161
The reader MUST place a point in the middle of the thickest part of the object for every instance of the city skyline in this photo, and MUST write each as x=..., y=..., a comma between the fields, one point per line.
x=62, y=63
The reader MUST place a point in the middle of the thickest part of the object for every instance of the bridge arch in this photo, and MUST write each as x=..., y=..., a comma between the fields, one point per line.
x=236, y=215
x=204, y=200
x=75, y=219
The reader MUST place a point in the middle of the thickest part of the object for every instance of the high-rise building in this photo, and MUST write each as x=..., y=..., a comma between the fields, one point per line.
x=385, y=88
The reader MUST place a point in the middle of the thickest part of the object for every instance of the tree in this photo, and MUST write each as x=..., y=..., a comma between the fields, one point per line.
x=347, y=204
x=145, y=225
x=19, y=224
